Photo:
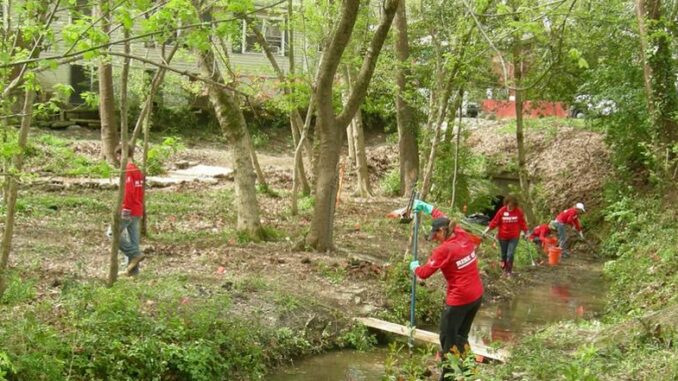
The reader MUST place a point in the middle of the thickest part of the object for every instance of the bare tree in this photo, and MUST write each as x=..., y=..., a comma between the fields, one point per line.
x=356, y=139
x=330, y=126
x=408, y=148
x=115, y=244
x=109, y=135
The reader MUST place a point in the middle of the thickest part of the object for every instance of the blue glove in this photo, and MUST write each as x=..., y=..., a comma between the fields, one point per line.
x=420, y=206
x=414, y=265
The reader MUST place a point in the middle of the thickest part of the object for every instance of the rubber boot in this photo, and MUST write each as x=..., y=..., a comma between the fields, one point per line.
x=509, y=268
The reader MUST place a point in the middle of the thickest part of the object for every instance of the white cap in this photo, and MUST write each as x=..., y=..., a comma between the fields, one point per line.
x=580, y=206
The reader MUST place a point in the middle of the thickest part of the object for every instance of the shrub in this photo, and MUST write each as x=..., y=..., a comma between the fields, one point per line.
x=390, y=184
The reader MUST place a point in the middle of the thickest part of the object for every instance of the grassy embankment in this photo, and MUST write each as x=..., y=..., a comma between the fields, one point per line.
x=635, y=338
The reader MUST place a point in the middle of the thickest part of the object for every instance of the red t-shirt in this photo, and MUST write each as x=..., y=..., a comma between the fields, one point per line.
x=510, y=223
x=569, y=217
x=134, y=191
x=456, y=258
x=540, y=232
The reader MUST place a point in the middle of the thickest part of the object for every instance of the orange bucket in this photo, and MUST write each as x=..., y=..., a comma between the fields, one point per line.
x=549, y=242
x=475, y=239
x=554, y=255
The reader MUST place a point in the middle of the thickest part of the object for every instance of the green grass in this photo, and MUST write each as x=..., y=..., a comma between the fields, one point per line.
x=19, y=289
x=54, y=155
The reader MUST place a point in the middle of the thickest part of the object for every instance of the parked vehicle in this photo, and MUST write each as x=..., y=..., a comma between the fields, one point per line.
x=470, y=109
x=587, y=106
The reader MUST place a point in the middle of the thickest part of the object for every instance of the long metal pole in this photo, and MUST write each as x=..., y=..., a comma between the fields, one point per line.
x=415, y=239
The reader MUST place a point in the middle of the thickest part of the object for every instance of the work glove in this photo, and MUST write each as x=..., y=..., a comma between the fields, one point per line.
x=414, y=265
x=581, y=235
x=523, y=235
x=421, y=206
x=126, y=214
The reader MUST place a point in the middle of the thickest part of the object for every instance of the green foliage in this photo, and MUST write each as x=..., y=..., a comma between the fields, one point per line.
x=460, y=367
x=398, y=288
x=390, y=183
x=358, y=337
x=6, y=366
x=401, y=366
x=306, y=203
x=158, y=154
x=134, y=330
x=473, y=187
x=18, y=291
x=643, y=241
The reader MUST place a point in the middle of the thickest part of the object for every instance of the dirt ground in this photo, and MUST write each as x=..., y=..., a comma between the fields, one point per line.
x=60, y=237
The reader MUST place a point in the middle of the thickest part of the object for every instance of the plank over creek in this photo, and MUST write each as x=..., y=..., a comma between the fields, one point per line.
x=432, y=338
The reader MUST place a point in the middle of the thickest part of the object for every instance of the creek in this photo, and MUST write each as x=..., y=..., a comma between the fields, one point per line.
x=573, y=290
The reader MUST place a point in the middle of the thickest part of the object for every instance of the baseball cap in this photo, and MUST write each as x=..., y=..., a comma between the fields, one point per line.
x=580, y=206
x=438, y=223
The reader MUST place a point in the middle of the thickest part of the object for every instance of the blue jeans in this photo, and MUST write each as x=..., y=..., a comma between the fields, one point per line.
x=562, y=237
x=508, y=249
x=129, y=243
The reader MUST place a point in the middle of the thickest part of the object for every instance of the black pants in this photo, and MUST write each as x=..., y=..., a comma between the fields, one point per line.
x=455, y=324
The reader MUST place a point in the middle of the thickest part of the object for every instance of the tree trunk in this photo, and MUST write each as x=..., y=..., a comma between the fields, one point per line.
x=660, y=76
x=12, y=189
x=351, y=147
x=115, y=243
x=456, y=154
x=441, y=114
x=297, y=155
x=407, y=128
x=109, y=134
x=647, y=71
x=364, y=188
x=234, y=127
x=255, y=163
x=144, y=163
x=331, y=128
x=356, y=141
x=520, y=136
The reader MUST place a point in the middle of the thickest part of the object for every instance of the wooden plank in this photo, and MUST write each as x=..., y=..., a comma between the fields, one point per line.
x=432, y=338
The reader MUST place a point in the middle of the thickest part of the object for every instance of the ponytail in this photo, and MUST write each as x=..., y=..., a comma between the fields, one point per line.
x=450, y=228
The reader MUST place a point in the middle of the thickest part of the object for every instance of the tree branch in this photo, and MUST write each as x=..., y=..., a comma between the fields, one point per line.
x=178, y=71
x=370, y=61
x=20, y=76
x=134, y=38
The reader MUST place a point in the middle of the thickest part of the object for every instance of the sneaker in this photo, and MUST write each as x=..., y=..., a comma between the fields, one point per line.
x=134, y=262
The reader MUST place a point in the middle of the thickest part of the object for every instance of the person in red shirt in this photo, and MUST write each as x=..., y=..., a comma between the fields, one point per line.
x=539, y=233
x=455, y=256
x=131, y=212
x=568, y=217
x=510, y=222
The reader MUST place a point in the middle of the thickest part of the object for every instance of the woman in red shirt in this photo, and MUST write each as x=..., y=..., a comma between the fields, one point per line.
x=510, y=222
x=456, y=258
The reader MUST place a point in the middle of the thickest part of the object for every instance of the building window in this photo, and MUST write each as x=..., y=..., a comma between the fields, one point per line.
x=273, y=30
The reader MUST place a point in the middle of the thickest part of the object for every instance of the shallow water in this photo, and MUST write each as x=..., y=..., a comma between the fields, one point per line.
x=345, y=365
x=570, y=294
